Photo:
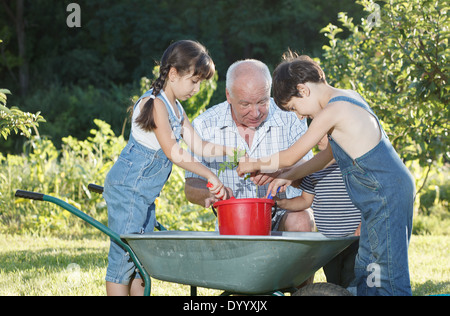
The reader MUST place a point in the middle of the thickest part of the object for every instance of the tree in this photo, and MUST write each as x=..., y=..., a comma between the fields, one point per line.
x=19, y=23
x=398, y=60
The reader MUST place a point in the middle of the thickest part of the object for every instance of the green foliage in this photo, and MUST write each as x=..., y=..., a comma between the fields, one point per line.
x=174, y=212
x=233, y=161
x=433, y=211
x=63, y=173
x=71, y=110
x=119, y=41
x=66, y=173
x=14, y=120
x=78, y=74
x=400, y=65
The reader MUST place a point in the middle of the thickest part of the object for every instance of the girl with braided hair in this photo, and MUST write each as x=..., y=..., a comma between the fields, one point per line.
x=137, y=178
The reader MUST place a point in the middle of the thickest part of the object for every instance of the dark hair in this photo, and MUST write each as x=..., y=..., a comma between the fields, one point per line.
x=293, y=70
x=185, y=56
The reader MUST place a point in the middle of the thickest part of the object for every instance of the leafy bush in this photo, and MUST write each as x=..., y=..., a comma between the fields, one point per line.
x=62, y=173
x=65, y=173
x=71, y=110
x=399, y=63
x=397, y=59
x=14, y=120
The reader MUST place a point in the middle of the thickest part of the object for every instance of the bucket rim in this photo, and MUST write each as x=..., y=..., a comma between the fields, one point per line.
x=244, y=201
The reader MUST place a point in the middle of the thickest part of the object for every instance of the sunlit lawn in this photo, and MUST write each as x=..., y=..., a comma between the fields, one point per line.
x=52, y=266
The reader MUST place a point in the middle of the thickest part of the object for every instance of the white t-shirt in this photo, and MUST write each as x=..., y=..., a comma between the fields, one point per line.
x=145, y=138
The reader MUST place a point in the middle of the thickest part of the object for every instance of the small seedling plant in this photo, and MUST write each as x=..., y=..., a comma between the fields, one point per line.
x=233, y=163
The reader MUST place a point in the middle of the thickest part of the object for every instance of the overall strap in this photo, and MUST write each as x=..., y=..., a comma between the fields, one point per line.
x=162, y=97
x=351, y=100
x=365, y=106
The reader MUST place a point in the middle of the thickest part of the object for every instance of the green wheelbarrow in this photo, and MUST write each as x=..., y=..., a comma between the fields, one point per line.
x=251, y=265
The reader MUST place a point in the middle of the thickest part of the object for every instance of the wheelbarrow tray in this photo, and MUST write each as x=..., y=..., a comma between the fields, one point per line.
x=238, y=264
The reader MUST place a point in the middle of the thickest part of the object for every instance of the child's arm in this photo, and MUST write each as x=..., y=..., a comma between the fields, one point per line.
x=199, y=146
x=178, y=155
x=357, y=231
x=318, y=162
x=319, y=126
x=299, y=203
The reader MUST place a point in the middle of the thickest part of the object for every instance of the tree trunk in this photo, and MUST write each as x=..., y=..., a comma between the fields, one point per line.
x=20, y=29
x=19, y=22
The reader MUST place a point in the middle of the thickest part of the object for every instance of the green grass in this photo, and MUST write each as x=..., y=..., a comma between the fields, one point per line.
x=32, y=266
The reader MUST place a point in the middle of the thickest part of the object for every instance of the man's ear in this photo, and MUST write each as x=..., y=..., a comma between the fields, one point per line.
x=303, y=89
x=228, y=96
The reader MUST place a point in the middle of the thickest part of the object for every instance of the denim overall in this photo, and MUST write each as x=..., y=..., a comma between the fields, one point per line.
x=381, y=186
x=131, y=187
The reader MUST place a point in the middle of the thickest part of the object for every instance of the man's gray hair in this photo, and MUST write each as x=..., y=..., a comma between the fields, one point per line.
x=255, y=64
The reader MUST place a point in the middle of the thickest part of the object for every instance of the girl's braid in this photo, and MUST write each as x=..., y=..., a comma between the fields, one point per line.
x=158, y=85
x=146, y=120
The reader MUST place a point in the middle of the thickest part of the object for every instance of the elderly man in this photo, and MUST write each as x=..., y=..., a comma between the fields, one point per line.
x=249, y=120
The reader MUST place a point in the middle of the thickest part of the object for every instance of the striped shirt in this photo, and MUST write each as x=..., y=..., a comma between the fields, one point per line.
x=334, y=213
x=278, y=132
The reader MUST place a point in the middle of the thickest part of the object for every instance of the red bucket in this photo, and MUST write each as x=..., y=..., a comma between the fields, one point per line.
x=244, y=216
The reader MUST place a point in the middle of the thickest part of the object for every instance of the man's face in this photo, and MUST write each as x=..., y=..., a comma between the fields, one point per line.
x=250, y=100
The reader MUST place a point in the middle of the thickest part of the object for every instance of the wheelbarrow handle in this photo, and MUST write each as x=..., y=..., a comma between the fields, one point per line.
x=71, y=209
x=95, y=188
x=104, y=229
x=30, y=195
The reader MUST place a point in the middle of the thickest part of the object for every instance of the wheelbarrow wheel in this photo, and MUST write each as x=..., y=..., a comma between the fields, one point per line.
x=322, y=289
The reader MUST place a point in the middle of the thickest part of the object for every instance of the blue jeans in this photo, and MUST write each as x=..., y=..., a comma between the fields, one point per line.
x=131, y=187
x=383, y=189
x=381, y=186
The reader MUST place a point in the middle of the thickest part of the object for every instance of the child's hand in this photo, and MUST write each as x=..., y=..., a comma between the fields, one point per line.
x=278, y=183
x=216, y=187
x=247, y=165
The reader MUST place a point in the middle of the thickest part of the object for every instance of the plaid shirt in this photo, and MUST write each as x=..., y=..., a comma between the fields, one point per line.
x=278, y=132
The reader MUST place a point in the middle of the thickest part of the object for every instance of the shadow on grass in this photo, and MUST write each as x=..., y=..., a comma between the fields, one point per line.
x=54, y=259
